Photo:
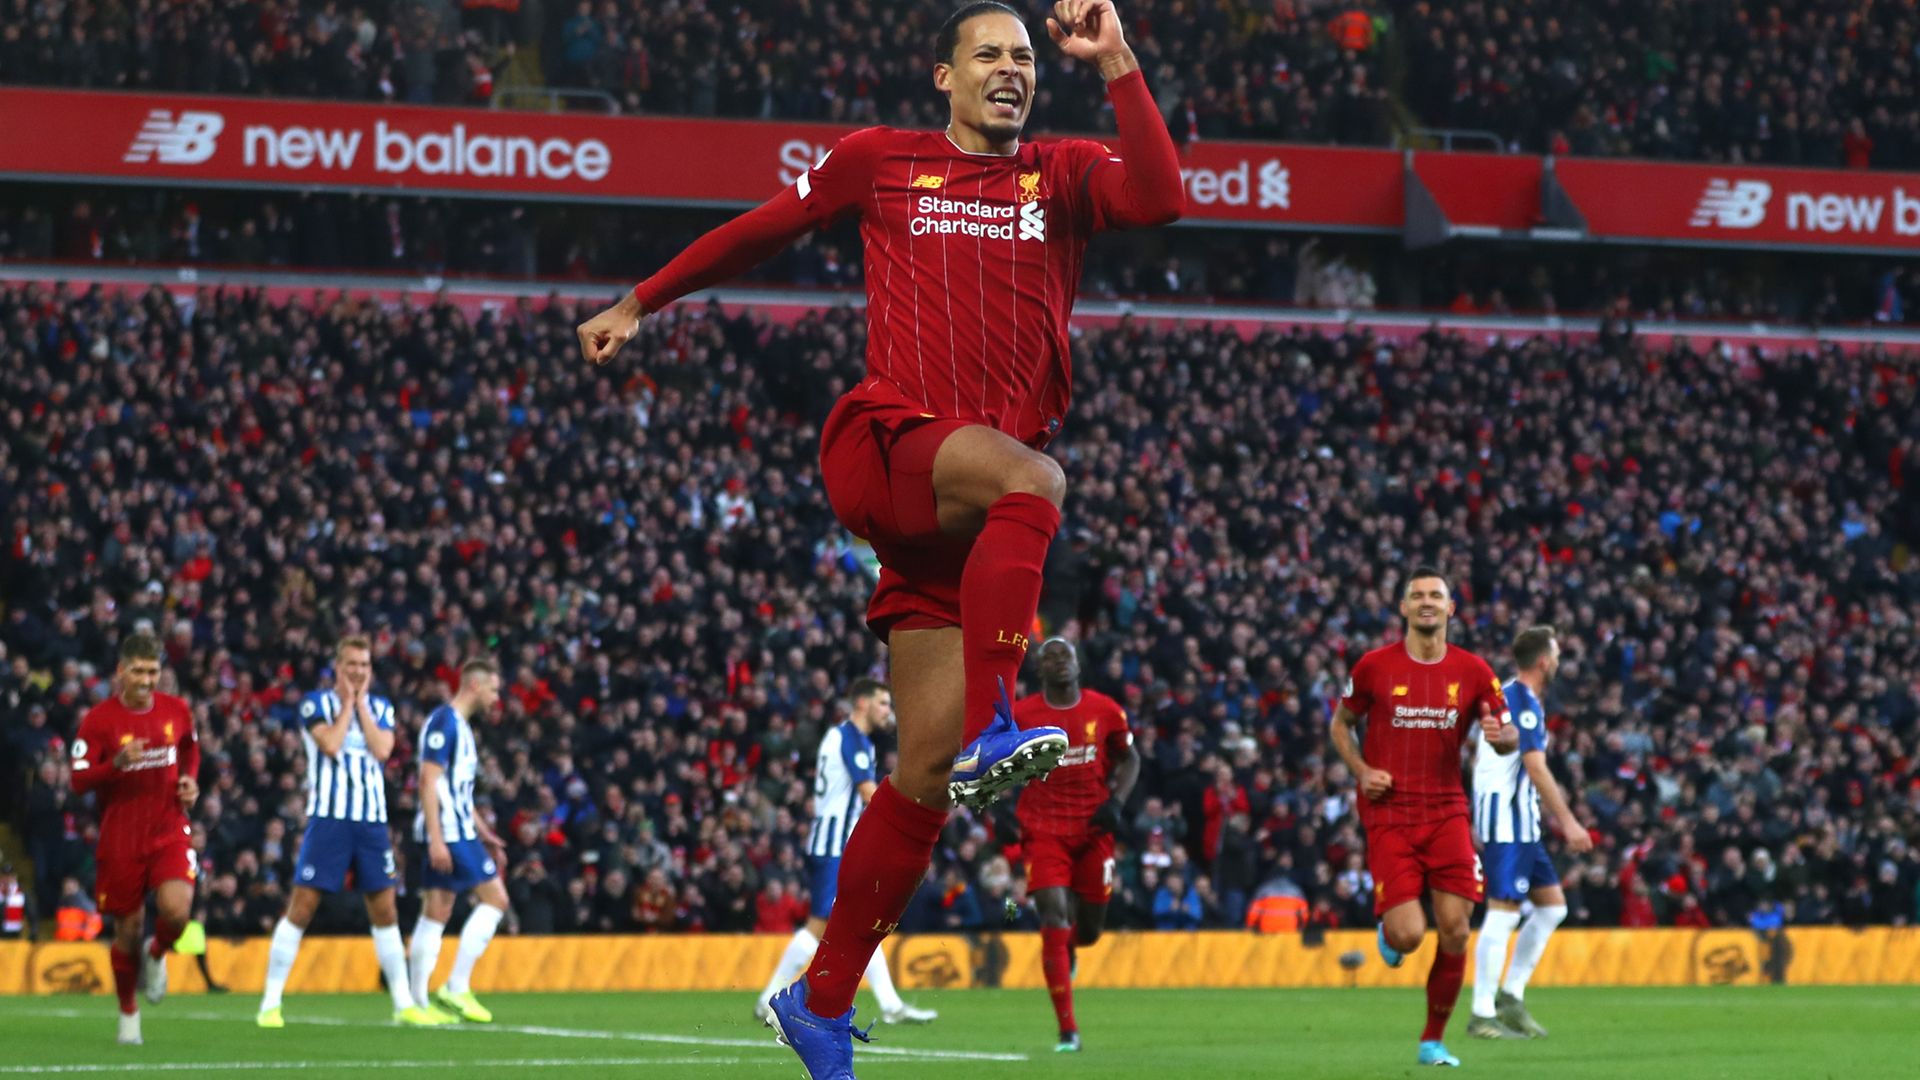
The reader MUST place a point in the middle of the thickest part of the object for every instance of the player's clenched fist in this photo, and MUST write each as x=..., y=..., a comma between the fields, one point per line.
x=1086, y=29
x=1375, y=783
x=602, y=336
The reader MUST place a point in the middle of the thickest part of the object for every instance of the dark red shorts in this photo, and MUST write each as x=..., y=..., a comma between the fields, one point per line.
x=1081, y=863
x=1407, y=860
x=876, y=460
x=122, y=882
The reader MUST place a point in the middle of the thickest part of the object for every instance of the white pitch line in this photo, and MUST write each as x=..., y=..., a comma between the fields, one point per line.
x=261, y=1066
x=900, y=1053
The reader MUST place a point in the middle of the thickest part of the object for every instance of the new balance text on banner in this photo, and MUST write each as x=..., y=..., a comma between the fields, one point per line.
x=188, y=140
x=1732, y=204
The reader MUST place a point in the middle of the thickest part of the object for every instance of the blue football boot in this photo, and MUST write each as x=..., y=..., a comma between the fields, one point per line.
x=825, y=1046
x=1003, y=758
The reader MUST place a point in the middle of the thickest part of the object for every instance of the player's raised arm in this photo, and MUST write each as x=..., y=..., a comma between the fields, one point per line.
x=330, y=735
x=838, y=183
x=1142, y=186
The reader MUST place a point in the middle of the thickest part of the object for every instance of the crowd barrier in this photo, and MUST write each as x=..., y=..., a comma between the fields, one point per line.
x=1209, y=959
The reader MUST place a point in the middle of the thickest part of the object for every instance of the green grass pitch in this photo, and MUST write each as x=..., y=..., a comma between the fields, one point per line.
x=1793, y=1033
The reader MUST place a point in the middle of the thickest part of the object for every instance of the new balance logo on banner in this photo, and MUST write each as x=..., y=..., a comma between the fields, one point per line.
x=1740, y=204
x=187, y=140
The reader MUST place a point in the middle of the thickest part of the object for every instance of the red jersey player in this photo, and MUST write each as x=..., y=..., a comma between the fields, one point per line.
x=138, y=752
x=1419, y=698
x=1068, y=819
x=973, y=246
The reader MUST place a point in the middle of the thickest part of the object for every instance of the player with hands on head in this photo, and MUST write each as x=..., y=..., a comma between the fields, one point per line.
x=974, y=241
x=347, y=733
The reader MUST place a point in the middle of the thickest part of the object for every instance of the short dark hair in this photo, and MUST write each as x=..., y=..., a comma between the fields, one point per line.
x=864, y=688
x=1532, y=644
x=948, y=40
x=1425, y=570
x=139, y=645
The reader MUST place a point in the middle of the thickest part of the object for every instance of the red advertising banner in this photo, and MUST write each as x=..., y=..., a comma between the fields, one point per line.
x=1735, y=204
x=189, y=140
x=196, y=140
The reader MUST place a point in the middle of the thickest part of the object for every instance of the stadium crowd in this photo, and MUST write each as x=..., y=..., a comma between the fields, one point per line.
x=443, y=237
x=1800, y=82
x=647, y=551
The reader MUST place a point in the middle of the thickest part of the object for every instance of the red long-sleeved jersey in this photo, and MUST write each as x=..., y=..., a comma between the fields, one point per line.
x=140, y=805
x=972, y=260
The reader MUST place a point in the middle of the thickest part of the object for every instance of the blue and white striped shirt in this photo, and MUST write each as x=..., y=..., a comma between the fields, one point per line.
x=350, y=785
x=1506, y=806
x=845, y=762
x=448, y=742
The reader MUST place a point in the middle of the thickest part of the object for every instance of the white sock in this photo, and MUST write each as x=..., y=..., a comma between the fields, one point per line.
x=881, y=980
x=393, y=963
x=425, y=954
x=1489, y=956
x=286, y=947
x=1533, y=943
x=792, y=962
x=473, y=942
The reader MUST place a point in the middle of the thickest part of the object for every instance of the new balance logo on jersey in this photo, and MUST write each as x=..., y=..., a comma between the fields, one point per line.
x=1740, y=204
x=929, y=181
x=185, y=140
x=1033, y=222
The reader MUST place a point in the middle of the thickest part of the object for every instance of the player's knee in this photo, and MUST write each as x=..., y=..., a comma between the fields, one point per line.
x=1039, y=475
x=1405, y=939
x=1453, y=939
x=1084, y=935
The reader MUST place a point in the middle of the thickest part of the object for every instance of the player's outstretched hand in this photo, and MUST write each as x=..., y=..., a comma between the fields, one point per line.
x=129, y=754
x=189, y=791
x=1376, y=784
x=602, y=336
x=1086, y=29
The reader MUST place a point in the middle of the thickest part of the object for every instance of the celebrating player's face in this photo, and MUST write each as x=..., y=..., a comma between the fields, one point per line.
x=990, y=79
x=1426, y=607
x=138, y=678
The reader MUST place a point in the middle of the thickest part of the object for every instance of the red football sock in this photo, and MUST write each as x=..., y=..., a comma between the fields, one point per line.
x=885, y=859
x=1443, y=988
x=1058, y=965
x=999, y=593
x=126, y=973
x=164, y=935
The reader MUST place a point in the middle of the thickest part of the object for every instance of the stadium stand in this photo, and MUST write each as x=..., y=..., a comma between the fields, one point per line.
x=647, y=550
x=1801, y=82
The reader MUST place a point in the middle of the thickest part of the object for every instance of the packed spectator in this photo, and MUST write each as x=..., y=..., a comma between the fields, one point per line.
x=1791, y=82
x=464, y=238
x=1238, y=69
x=647, y=551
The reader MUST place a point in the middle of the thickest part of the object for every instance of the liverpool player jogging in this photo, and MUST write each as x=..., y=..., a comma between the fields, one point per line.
x=348, y=736
x=1067, y=820
x=1420, y=697
x=973, y=248
x=138, y=753
x=1507, y=792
